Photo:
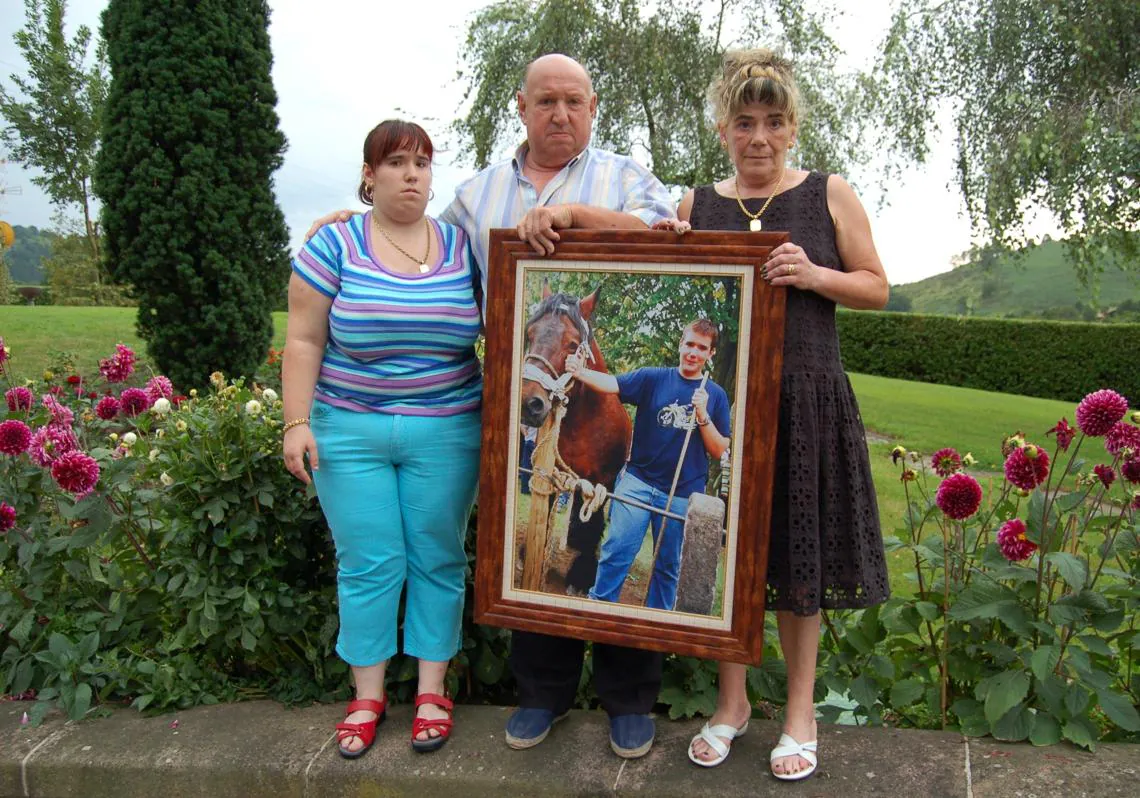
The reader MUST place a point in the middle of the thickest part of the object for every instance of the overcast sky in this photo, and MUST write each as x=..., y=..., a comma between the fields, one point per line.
x=340, y=70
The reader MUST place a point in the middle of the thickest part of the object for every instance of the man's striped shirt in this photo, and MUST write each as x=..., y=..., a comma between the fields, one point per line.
x=501, y=194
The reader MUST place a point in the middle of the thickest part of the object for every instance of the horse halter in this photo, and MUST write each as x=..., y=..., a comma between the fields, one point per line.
x=546, y=375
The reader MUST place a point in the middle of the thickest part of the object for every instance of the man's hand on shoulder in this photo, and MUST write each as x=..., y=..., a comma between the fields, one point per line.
x=538, y=227
x=329, y=218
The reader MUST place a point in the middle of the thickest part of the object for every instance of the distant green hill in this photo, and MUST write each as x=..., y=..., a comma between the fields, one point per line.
x=1039, y=284
x=32, y=245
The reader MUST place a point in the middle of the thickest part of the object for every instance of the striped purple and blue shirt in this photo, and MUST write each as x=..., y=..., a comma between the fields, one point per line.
x=398, y=343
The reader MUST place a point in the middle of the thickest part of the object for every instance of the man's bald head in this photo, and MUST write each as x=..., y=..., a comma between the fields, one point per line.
x=557, y=104
x=559, y=65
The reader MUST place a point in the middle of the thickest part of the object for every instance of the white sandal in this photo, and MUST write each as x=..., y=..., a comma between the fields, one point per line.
x=711, y=735
x=787, y=746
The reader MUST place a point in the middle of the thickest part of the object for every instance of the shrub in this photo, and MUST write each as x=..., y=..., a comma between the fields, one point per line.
x=1054, y=360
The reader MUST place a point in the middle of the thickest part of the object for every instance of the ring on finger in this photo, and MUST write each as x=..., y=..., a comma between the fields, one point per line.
x=791, y=268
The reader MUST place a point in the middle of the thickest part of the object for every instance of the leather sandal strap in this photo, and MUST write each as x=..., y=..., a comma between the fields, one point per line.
x=717, y=745
x=443, y=702
x=367, y=705
x=441, y=725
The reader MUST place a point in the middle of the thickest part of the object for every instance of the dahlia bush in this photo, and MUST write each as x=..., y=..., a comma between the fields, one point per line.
x=153, y=550
x=1025, y=620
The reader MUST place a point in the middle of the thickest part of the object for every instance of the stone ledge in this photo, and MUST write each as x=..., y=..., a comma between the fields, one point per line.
x=263, y=749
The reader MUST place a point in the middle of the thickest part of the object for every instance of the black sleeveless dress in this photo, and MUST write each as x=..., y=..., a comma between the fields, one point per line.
x=826, y=549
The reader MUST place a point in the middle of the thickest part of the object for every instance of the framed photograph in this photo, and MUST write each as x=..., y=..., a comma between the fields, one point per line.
x=630, y=407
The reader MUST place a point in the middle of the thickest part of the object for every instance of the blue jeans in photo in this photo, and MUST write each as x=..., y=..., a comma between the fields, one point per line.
x=627, y=533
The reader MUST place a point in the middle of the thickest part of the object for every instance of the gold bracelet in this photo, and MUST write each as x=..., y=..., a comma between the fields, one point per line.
x=294, y=423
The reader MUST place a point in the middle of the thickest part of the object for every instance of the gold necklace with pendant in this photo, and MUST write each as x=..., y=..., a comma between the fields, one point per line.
x=754, y=223
x=421, y=262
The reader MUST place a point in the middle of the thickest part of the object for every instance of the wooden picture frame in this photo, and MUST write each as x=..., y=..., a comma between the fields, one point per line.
x=649, y=273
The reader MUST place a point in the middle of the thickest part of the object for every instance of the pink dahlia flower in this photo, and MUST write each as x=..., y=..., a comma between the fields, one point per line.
x=134, y=401
x=61, y=416
x=1122, y=436
x=1098, y=411
x=1025, y=471
x=1011, y=539
x=19, y=398
x=49, y=443
x=1105, y=474
x=107, y=408
x=1136, y=501
x=119, y=366
x=76, y=472
x=159, y=388
x=15, y=437
x=7, y=516
x=959, y=496
x=946, y=462
x=1130, y=469
x=1064, y=434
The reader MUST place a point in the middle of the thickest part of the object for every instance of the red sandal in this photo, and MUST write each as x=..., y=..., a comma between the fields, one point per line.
x=440, y=725
x=365, y=731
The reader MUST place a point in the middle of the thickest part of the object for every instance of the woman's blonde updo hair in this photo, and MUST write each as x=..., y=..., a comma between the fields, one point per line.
x=754, y=76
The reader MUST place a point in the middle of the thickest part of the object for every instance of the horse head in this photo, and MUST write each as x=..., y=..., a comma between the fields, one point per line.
x=558, y=328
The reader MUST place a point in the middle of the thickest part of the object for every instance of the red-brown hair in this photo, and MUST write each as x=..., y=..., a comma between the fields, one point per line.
x=391, y=135
x=706, y=328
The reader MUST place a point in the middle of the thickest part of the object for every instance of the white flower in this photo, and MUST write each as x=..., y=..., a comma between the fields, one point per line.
x=161, y=406
x=129, y=438
x=253, y=407
x=269, y=395
x=180, y=425
x=166, y=479
x=161, y=433
x=153, y=455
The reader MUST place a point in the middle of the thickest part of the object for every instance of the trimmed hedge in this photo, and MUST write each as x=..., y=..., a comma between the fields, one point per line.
x=1053, y=360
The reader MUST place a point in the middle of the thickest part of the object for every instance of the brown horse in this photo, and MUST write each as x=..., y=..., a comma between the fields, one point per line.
x=596, y=430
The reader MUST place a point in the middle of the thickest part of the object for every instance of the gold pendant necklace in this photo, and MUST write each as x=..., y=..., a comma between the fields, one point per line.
x=754, y=223
x=421, y=262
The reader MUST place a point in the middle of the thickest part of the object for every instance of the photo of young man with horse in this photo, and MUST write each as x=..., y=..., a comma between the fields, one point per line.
x=664, y=467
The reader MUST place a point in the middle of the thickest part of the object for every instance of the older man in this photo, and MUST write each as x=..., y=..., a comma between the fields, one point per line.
x=555, y=180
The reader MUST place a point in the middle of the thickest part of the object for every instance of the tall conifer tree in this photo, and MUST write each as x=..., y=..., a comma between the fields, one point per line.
x=190, y=145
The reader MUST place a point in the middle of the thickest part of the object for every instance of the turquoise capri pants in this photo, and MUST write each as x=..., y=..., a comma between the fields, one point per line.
x=396, y=491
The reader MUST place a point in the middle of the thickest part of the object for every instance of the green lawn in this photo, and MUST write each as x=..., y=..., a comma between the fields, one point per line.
x=925, y=417
x=87, y=334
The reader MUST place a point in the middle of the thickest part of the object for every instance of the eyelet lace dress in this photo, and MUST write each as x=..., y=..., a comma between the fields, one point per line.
x=825, y=548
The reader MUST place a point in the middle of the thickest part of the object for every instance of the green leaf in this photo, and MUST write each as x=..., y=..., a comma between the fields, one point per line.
x=865, y=692
x=1015, y=725
x=250, y=604
x=981, y=600
x=1076, y=700
x=1119, y=710
x=1096, y=645
x=928, y=610
x=1006, y=690
x=88, y=646
x=1044, y=660
x=1079, y=732
x=1071, y=568
x=906, y=692
x=81, y=702
x=1046, y=730
x=61, y=646
x=248, y=640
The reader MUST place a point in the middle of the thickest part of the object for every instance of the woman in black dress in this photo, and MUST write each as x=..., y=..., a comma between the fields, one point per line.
x=826, y=550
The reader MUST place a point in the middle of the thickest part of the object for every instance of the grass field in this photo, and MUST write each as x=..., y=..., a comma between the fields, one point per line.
x=86, y=334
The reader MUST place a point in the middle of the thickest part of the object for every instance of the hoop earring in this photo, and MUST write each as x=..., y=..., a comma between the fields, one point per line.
x=431, y=195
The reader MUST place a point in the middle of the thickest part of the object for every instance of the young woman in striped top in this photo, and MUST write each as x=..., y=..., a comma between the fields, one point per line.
x=382, y=392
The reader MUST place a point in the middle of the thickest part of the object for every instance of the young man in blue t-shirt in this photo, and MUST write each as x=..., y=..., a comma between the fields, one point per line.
x=670, y=402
